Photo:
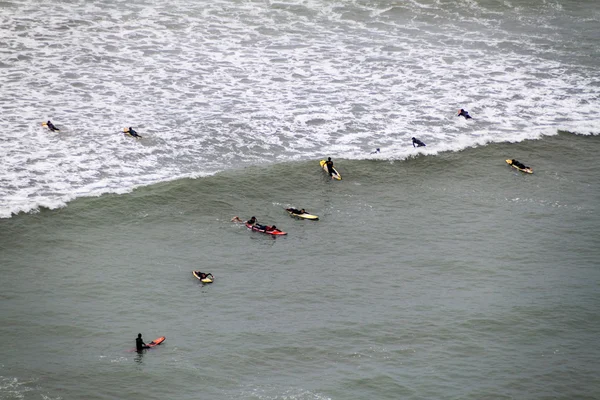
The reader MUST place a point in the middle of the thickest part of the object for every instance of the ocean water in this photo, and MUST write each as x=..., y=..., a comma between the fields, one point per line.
x=433, y=273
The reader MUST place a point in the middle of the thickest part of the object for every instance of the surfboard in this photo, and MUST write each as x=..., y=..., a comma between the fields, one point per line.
x=335, y=175
x=209, y=277
x=276, y=232
x=526, y=170
x=304, y=216
x=126, y=130
x=156, y=341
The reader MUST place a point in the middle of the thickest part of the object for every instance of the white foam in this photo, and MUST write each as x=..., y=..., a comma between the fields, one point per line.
x=224, y=85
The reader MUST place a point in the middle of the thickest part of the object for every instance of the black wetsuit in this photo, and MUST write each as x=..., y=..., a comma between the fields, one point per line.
x=133, y=133
x=294, y=211
x=51, y=126
x=329, y=167
x=139, y=344
x=465, y=114
x=518, y=164
x=417, y=142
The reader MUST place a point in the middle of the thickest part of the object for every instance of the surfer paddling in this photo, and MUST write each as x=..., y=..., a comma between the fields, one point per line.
x=464, y=113
x=50, y=126
x=131, y=132
x=417, y=143
x=251, y=221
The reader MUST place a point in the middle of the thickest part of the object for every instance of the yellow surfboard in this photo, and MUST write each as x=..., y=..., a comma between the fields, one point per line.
x=304, y=216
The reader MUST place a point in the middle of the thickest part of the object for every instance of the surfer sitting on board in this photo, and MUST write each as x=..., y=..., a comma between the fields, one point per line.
x=329, y=164
x=296, y=211
x=51, y=126
x=417, y=142
x=132, y=132
x=139, y=343
x=464, y=113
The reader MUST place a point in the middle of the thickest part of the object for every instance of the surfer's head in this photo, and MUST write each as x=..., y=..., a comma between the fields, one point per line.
x=329, y=159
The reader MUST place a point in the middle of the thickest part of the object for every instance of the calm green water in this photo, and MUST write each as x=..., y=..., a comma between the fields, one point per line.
x=448, y=276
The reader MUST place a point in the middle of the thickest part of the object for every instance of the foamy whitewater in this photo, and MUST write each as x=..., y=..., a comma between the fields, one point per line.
x=216, y=85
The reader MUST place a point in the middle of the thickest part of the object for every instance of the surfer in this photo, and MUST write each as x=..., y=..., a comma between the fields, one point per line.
x=139, y=343
x=329, y=164
x=376, y=151
x=132, y=132
x=202, y=275
x=51, y=126
x=519, y=164
x=296, y=211
x=417, y=142
x=464, y=113
x=251, y=221
x=270, y=228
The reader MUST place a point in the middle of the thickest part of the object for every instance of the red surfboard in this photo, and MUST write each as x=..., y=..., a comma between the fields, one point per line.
x=156, y=342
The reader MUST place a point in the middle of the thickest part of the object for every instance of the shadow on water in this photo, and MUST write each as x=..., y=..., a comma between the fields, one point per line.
x=139, y=357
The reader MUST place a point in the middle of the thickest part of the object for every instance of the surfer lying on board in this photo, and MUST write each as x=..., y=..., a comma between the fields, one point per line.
x=202, y=275
x=266, y=228
x=132, y=132
x=417, y=142
x=463, y=113
x=251, y=221
x=296, y=211
x=139, y=343
x=518, y=164
x=51, y=126
x=376, y=151
x=329, y=164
